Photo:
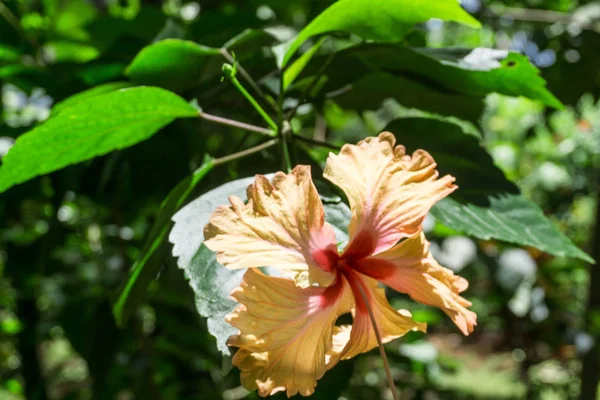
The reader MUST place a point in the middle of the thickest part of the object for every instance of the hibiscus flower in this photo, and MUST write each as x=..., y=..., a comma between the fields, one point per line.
x=288, y=337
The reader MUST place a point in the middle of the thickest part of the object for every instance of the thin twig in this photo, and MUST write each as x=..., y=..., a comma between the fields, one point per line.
x=14, y=22
x=315, y=142
x=244, y=153
x=527, y=14
x=386, y=365
x=338, y=92
x=310, y=87
x=320, y=127
x=237, y=124
x=543, y=16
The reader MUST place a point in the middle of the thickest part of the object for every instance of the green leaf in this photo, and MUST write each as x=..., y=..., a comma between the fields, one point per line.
x=457, y=153
x=73, y=16
x=10, y=325
x=180, y=65
x=509, y=218
x=210, y=281
x=172, y=63
x=146, y=268
x=382, y=20
x=472, y=72
x=100, y=72
x=466, y=72
x=68, y=51
x=489, y=207
x=8, y=54
x=292, y=72
x=91, y=128
x=88, y=94
x=249, y=40
x=369, y=92
x=338, y=214
x=11, y=70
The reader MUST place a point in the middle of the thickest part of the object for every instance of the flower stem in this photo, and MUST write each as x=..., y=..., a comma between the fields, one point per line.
x=237, y=124
x=386, y=365
x=286, y=156
x=229, y=73
x=244, y=153
x=13, y=21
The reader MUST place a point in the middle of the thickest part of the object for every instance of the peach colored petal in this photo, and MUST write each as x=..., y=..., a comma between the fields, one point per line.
x=341, y=337
x=389, y=192
x=285, y=332
x=283, y=226
x=409, y=268
x=390, y=323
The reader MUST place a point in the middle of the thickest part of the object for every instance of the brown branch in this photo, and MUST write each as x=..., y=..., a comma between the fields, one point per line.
x=244, y=153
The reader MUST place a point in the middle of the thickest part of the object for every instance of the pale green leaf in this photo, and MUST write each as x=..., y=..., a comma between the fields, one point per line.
x=210, y=281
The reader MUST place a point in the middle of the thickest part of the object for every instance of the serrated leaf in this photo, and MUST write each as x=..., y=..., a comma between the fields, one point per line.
x=382, y=21
x=457, y=153
x=369, y=92
x=509, y=218
x=88, y=94
x=187, y=234
x=171, y=63
x=338, y=214
x=472, y=72
x=210, y=281
x=146, y=268
x=490, y=206
x=89, y=129
x=465, y=72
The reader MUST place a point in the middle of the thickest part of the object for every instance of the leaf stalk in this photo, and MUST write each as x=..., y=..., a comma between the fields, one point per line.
x=229, y=71
x=237, y=124
x=244, y=153
x=315, y=142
